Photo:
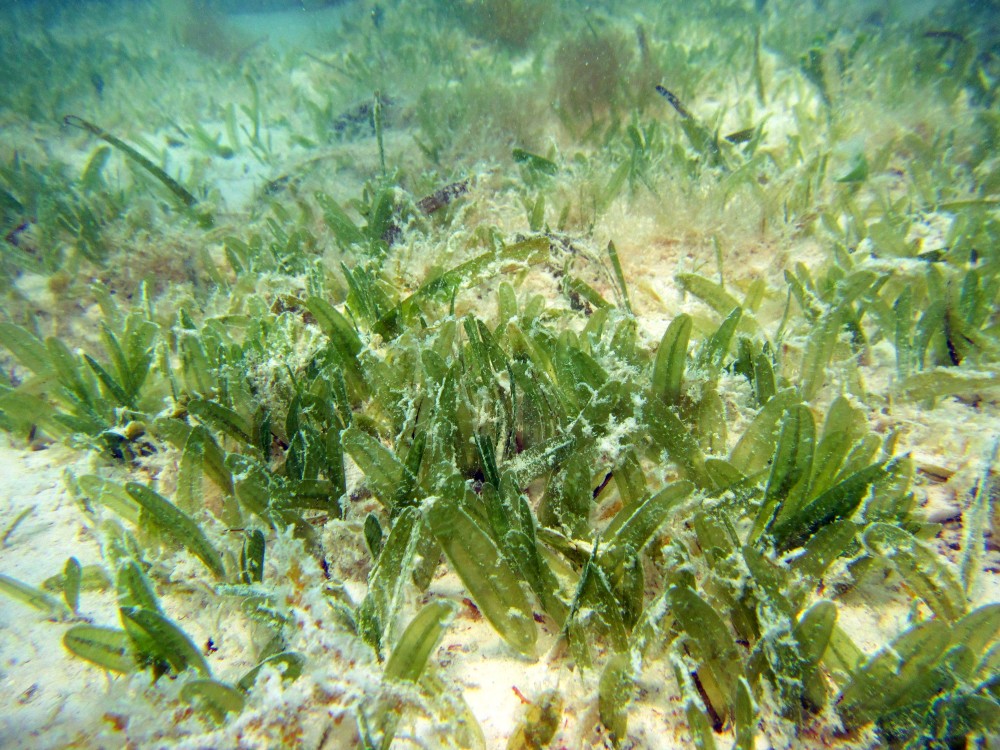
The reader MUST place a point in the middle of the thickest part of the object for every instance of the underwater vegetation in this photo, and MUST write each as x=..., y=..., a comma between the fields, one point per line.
x=512, y=23
x=415, y=381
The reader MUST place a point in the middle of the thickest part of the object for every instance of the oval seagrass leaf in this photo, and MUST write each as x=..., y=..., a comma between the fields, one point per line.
x=632, y=528
x=177, y=525
x=823, y=548
x=978, y=629
x=712, y=641
x=110, y=494
x=671, y=358
x=72, y=575
x=837, y=503
x=335, y=325
x=33, y=597
x=289, y=663
x=889, y=674
x=108, y=648
x=252, y=557
x=492, y=582
x=222, y=418
x=214, y=698
x=615, y=692
x=26, y=348
x=415, y=645
x=165, y=640
x=713, y=351
x=812, y=633
x=923, y=570
x=135, y=588
x=756, y=446
x=384, y=472
x=746, y=717
x=387, y=580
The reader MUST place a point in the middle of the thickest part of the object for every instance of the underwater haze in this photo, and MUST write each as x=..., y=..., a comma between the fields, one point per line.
x=499, y=374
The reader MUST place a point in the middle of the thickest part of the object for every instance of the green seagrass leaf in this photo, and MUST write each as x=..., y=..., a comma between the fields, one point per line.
x=134, y=587
x=746, y=717
x=671, y=359
x=72, y=575
x=26, y=348
x=492, y=582
x=213, y=698
x=756, y=446
x=615, y=691
x=631, y=529
x=713, y=644
x=923, y=570
x=153, y=635
x=378, y=610
x=35, y=598
x=415, y=645
x=289, y=663
x=108, y=648
x=383, y=471
x=836, y=504
x=176, y=524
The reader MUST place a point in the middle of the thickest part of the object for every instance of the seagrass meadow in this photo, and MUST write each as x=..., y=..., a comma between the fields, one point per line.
x=481, y=374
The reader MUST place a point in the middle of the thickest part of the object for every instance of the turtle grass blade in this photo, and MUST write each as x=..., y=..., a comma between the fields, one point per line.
x=892, y=673
x=35, y=598
x=180, y=193
x=594, y=613
x=825, y=546
x=713, y=352
x=252, y=557
x=223, y=418
x=812, y=634
x=713, y=644
x=345, y=231
x=289, y=663
x=108, y=648
x=410, y=655
x=492, y=582
x=377, y=611
x=26, y=348
x=978, y=630
x=746, y=717
x=712, y=294
x=631, y=529
x=669, y=433
x=134, y=588
x=109, y=494
x=615, y=692
x=790, y=469
x=616, y=266
x=190, y=474
x=156, y=637
x=383, y=471
x=837, y=503
x=671, y=358
x=345, y=342
x=523, y=549
x=976, y=522
x=72, y=575
x=177, y=525
x=924, y=572
x=213, y=698
x=470, y=273
x=756, y=446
